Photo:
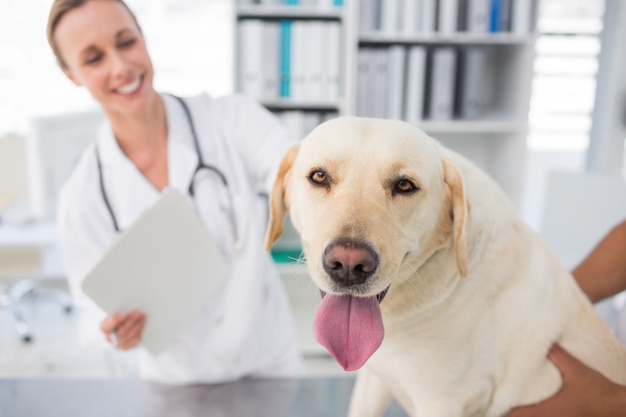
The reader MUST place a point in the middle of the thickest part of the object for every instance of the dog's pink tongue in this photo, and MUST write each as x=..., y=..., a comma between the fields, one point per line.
x=350, y=328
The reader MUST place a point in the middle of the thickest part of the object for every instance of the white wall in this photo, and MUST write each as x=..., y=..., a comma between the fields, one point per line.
x=190, y=42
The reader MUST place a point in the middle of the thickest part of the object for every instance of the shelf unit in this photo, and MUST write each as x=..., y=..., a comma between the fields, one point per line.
x=495, y=140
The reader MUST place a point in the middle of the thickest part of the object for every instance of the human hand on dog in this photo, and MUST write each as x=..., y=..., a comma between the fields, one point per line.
x=124, y=330
x=584, y=392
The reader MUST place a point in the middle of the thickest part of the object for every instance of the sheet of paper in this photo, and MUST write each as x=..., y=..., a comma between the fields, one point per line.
x=165, y=265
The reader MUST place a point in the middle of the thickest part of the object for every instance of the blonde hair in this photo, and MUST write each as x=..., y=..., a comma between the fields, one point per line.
x=58, y=10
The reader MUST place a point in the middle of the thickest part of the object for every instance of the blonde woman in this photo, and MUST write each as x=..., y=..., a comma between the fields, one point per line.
x=220, y=152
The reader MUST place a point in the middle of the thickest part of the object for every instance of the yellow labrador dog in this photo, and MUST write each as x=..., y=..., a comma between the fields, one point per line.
x=432, y=282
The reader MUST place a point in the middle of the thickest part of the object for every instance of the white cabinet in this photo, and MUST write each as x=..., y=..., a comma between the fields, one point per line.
x=459, y=69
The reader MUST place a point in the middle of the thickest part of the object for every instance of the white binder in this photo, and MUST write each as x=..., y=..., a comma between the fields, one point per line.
x=443, y=84
x=416, y=83
x=165, y=265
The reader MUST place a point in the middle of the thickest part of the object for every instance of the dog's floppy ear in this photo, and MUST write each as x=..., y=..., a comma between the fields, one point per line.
x=458, y=213
x=278, y=202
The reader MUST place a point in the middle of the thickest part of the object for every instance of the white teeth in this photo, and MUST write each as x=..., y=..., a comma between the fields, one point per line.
x=130, y=88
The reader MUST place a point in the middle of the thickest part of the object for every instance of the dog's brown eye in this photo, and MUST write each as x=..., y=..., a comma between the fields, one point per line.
x=404, y=186
x=319, y=177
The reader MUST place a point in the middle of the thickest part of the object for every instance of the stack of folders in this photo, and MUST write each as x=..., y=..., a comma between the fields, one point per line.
x=447, y=16
x=416, y=82
x=295, y=60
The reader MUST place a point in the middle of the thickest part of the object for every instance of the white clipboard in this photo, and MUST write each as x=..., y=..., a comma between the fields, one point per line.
x=165, y=265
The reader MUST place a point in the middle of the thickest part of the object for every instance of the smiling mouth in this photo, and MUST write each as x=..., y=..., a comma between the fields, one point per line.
x=380, y=296
x=131, y=87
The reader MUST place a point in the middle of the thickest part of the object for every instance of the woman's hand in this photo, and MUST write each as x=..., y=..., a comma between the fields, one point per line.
x=127, y=326
x=585, y=392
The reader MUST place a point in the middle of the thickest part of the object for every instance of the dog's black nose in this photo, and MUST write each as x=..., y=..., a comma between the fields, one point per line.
x=348, y=262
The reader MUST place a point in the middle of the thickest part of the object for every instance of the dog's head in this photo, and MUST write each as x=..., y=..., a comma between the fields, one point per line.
x=372, y=200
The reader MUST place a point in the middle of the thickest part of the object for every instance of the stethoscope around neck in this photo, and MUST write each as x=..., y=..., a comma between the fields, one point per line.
x=191, y=190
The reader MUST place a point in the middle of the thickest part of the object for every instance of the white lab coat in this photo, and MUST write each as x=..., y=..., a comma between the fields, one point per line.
x=247, y=329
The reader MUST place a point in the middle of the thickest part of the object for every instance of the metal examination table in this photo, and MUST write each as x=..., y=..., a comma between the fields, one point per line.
x=307, y=397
